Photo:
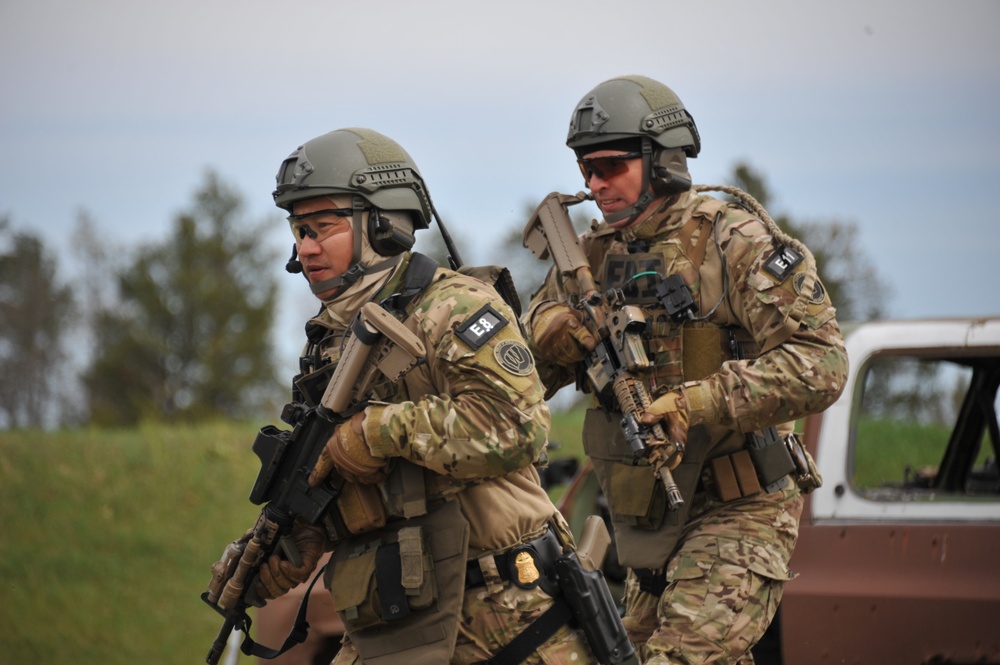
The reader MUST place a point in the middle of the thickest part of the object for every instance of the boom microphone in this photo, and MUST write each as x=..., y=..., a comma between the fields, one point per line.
x=293, y=265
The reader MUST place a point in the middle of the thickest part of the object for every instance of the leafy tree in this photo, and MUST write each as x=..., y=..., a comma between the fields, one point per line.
x=190, y=337
x=914, y=390
x=95, y=254
x=847, y=272
x=35, y=311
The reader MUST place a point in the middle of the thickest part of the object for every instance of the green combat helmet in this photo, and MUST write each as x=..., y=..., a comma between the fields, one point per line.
x=380, y=177
x=646, y=115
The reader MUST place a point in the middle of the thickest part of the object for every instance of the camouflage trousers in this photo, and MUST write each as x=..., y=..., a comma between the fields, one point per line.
x=491, y=620
x=724, y=583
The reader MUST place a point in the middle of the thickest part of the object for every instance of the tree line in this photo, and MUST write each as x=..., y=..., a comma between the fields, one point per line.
x=182, y=330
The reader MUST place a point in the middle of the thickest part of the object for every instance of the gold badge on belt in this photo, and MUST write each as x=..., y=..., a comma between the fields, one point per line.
x=524, y=566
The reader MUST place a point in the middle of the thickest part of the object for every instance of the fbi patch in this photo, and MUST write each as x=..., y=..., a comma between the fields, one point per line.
x=480, y=327
x=782, y=262
x=514, y=357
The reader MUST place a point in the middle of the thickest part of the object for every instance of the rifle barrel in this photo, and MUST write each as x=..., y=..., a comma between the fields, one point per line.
x=219, y=645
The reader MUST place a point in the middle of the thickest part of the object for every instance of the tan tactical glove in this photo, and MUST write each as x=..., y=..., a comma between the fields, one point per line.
x=560, y=335
x=350, y=455
x=278, y=576
x=671, y=409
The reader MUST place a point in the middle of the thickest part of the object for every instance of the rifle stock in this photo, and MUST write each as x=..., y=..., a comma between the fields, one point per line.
x=379, y=344
x=616, y=326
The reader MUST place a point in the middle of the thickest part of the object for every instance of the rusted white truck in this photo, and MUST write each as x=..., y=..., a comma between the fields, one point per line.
x=898, y=558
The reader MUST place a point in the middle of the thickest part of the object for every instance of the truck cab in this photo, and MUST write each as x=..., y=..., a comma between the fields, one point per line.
x=898, y=559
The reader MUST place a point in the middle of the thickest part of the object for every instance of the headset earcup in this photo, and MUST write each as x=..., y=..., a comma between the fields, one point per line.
x=670, y=172
x=386, y=235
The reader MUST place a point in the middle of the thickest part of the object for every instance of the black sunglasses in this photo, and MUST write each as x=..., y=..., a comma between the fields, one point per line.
x=606, y=168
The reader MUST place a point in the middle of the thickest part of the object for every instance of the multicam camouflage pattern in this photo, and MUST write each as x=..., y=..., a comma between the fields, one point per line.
x=471, y=412
x=494, y=619
x=802, y=363
x=726, y=562
x=491, y=620
x=475, y=417
x=724, y=582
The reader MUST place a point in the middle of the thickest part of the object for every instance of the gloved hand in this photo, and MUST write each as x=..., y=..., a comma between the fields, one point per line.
x=561, y=336
x=277, y=576
x=671, y=410
x=349, y=454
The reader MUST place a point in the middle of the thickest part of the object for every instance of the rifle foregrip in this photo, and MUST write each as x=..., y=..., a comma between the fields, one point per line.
x=235, y=587
x=630, y=395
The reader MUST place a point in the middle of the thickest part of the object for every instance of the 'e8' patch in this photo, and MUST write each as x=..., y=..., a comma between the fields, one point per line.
x=480, y=327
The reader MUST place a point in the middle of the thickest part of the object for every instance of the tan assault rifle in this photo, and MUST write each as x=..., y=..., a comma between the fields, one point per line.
x=617, y=327
x=380, y=345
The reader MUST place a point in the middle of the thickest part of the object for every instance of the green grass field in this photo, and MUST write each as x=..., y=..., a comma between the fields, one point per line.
x=110, y=536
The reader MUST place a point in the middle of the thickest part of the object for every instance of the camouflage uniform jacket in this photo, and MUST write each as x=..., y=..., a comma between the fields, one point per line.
x=472, y=415
x=743, y=284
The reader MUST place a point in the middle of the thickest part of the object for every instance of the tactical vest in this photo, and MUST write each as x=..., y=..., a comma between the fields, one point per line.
x=645, y=531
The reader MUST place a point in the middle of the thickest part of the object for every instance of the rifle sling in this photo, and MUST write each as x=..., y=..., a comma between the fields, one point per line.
x=296, y=636
x=528, y=640
x=419, y=273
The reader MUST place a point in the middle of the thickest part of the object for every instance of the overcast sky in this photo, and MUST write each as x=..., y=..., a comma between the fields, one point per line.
x=885, y=114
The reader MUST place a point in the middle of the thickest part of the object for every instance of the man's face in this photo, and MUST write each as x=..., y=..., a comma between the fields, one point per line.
x=614, y=177
x=325, y=241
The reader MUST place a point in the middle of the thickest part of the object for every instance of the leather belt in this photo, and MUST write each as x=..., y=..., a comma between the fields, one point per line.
x=516, y=564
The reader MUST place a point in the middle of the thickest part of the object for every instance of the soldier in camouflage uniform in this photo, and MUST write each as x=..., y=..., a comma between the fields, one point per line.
x=442, y=533
x=704, y=579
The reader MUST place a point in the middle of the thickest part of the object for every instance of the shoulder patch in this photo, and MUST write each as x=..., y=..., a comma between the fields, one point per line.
x=480, y=327
x=514, y=357
x=782, y=262
x=818, y=291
